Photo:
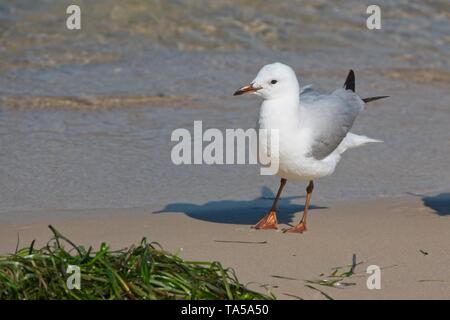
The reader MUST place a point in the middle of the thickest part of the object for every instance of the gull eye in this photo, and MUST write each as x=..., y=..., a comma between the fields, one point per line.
x=273, y=81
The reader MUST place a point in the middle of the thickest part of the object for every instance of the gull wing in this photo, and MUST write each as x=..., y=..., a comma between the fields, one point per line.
x=329, y=117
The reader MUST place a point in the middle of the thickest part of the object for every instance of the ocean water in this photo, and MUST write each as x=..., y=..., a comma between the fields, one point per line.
x=86, y=116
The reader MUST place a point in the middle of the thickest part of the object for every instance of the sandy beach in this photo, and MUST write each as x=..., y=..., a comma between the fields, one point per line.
x=407, y=237
x=86, y=119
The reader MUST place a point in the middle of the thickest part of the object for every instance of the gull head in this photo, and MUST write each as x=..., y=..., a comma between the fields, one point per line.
x=273, y=81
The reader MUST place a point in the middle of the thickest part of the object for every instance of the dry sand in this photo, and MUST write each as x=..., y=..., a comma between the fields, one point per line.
x=407, y=237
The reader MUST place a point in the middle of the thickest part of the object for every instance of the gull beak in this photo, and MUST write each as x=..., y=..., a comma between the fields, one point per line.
x=246, y=89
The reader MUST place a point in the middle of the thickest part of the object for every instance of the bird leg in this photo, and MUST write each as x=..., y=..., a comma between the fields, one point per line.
x=301, y=226
x=270, y=220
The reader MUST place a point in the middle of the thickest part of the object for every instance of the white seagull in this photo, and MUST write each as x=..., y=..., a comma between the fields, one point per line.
x=313, y=128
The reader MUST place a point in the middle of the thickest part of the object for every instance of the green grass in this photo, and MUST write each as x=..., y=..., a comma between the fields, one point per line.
x=337, y=279
x=144, y=271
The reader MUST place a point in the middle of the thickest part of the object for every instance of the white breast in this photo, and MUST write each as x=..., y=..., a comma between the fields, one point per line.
x=294, y=142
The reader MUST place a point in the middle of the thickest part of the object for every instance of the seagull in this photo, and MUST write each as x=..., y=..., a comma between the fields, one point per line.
x=313, y=129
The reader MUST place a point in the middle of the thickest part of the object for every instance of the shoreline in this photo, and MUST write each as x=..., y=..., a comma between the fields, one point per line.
x=406, y=237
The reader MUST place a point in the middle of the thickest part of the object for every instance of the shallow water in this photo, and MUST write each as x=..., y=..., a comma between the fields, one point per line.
x=86, y=116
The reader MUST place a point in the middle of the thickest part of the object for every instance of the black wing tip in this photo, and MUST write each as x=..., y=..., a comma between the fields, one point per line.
x=366, y=100
x=350, y=81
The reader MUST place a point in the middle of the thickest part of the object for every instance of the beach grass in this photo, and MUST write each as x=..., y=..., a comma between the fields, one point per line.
x=143, y=271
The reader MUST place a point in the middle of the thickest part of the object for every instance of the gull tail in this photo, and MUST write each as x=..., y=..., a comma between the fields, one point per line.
x=352, y=140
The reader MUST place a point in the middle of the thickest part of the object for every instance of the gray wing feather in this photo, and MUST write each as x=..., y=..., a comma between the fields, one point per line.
x=329, y=117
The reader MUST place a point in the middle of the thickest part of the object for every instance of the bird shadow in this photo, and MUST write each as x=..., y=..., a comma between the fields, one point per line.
x=239, y=211
x=439, y=203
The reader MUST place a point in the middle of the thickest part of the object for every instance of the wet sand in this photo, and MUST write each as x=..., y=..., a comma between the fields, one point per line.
x=86, y=117
x=406, y=237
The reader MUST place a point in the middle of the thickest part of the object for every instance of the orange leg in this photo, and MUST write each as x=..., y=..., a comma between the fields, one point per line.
x=301, y=226
x=270, y=220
